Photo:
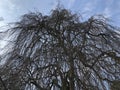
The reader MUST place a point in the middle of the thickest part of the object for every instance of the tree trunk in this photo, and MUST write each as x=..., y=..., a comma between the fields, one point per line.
x=71, y=74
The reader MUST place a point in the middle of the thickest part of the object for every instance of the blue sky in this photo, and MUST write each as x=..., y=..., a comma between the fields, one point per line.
x=11, y=10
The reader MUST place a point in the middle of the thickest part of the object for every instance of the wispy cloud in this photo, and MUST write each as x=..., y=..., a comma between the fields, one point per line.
x=107, y=12
x=88, y=9
x=1, y=19
x=54, y=4
x=71, y=3
x=8, y=5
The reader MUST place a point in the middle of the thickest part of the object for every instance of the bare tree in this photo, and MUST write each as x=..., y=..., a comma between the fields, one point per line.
x=60, y=52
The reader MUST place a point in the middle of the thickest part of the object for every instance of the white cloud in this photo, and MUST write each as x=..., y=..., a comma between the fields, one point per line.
x=7, y=5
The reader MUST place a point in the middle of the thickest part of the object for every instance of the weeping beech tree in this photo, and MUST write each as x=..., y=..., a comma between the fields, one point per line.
x=60, y=52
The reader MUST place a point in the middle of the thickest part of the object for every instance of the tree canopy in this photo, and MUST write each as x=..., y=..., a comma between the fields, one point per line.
x=61, y=52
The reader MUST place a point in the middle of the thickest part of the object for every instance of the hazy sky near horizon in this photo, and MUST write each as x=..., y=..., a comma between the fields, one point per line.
x=11, y=10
